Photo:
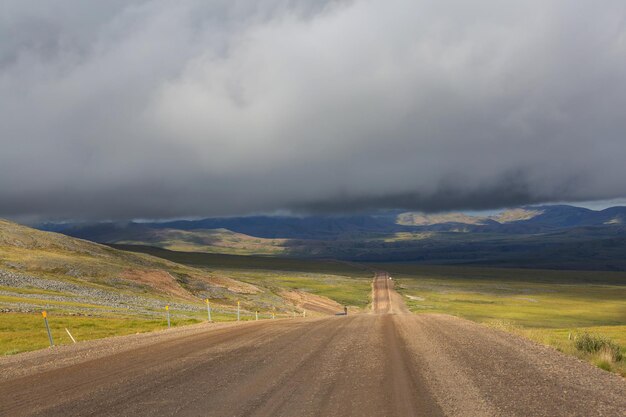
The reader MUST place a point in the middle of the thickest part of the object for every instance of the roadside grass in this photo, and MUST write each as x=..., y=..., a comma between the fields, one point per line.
x=564, y=340
x=550, y=307
x=23, y=332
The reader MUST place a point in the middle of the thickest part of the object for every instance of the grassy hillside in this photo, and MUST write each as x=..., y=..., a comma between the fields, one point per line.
x=346, y=283
x=74, y=263
x=552, y=307
x=206, y=240
x=97, y=291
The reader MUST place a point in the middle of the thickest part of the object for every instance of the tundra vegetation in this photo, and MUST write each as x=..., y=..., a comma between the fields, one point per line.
x=97, y=291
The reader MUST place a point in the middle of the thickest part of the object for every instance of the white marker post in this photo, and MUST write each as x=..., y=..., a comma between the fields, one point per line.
x=167, y=311
x=304, y=313
x=208, y=308
x=45, y=320
x=238, y=310
x=70, y=335
x=273, y=315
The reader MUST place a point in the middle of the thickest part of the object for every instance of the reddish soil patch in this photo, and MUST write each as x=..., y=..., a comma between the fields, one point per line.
x=160, y=281
x=230, y=284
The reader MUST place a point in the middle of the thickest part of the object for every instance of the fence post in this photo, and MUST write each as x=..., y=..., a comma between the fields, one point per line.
x=167, y=310
x=238, y=310
x=208, y=308
x=45, y=320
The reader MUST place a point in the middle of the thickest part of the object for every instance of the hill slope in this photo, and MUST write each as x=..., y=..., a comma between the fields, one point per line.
x=98, y=291
x=44, y=269
x=83, y=272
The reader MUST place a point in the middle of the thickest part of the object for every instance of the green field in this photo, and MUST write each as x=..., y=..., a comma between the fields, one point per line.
x=551, y=307
x=22, y=332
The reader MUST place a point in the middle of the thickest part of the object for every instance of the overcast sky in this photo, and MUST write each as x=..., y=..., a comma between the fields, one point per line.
x=157, y=109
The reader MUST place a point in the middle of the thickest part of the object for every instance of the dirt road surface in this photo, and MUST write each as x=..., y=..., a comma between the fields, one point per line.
x=384, y=363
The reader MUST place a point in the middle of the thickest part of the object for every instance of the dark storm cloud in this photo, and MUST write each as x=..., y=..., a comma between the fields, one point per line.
x=124, y=109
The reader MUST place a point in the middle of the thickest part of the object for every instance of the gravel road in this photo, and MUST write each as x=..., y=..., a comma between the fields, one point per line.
x=385, y=363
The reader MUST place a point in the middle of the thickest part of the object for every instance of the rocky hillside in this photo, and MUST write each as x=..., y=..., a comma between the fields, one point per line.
x=37, y=265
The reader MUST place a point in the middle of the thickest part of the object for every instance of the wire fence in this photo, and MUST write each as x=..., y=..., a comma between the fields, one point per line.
x=212, y=314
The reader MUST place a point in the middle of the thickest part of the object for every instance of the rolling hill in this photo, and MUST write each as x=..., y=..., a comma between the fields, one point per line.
x=96, y=291
x=87, y=273
x=84, y=276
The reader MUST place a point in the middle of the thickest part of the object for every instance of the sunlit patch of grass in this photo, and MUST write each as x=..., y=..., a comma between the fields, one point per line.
x=11, y=352
x=211, y=241
x=23, y=332
x=20, y=332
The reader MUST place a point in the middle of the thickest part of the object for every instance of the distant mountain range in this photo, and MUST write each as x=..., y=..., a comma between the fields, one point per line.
x=532, y=219
x=548, y=236
x=522, y=220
